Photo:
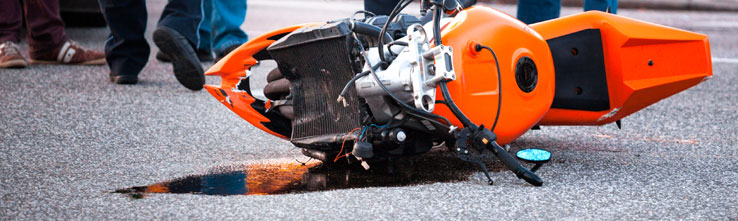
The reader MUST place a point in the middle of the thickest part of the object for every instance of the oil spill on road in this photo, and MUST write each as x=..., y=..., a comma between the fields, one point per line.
x=269, y=179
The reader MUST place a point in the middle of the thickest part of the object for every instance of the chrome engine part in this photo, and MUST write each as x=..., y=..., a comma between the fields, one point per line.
x=412, y=76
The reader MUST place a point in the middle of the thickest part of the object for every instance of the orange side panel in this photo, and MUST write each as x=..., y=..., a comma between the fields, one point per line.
x=679, y=60
x=232, y=68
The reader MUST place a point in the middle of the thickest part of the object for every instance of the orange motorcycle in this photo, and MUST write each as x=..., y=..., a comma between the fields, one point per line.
x=473, y=77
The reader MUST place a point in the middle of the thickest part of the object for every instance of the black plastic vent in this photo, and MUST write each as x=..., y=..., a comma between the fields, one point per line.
x=581, y=81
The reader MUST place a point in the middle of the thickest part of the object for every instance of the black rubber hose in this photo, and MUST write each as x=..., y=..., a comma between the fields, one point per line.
x=455, y=109
x=402, y=43
x=350, y=82
x=478, y=48
x=397, y=99
x=398, y=8
x=276, y=89
x=370, y=30
x=437, y=12
x=274, y=75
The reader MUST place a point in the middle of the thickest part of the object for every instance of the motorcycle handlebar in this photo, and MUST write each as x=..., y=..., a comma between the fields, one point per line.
x=487, y=137
x=515, y=166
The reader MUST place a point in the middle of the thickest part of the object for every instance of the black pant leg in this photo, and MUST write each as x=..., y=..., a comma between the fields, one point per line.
x=126, y=49
x=184, y=17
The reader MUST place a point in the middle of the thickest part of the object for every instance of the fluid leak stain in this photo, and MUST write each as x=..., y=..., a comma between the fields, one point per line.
x=268, y=179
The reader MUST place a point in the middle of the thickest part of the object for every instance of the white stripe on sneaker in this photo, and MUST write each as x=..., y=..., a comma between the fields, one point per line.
x=70, y=53
x=63, y=51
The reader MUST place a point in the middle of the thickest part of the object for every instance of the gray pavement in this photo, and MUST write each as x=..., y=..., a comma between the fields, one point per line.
x=68, y=138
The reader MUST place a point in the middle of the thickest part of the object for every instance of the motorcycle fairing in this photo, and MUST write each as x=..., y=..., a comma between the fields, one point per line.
x=234, y=91
x=644, y=63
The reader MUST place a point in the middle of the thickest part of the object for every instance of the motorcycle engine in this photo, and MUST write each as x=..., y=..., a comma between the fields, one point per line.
x=412, y=76
x=318, y=61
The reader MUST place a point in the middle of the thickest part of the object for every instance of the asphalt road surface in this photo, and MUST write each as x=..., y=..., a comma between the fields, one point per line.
x=69, y=140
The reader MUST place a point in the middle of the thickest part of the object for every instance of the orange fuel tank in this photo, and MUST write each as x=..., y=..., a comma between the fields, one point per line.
x=475, y=90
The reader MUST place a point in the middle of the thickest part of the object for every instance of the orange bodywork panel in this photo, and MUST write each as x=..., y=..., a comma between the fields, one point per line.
x=475, y=89
x=644, y=63
x=232, y=69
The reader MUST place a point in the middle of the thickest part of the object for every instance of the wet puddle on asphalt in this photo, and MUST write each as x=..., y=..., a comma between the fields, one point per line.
x=286, y=178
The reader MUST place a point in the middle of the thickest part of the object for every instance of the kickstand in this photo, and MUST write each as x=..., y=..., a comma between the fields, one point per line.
x=463, y=153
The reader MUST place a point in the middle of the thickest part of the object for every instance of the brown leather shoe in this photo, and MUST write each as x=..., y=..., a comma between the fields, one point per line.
x=10, y=56
x=70, y=53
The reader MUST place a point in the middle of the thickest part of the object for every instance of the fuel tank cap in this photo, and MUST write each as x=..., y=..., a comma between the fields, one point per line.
x=526, y=74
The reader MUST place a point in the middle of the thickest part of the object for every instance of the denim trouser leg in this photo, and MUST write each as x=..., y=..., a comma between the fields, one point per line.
x=184, y=17
x=380, y=7
x=227, y=17
x=533, y=11
x=601, y=5
x=126, y=49
x=205, y=29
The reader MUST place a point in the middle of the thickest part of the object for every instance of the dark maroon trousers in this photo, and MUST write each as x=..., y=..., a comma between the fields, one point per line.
x=45, y=27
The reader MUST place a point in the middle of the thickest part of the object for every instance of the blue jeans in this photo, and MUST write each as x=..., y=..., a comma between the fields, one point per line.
x=533, y=11
x=222, y=29
x=380, y=7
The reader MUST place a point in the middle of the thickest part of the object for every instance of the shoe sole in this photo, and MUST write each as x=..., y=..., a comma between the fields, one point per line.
x=14, y=64
x=202, y=57
x=185, y=63
x=99, y=61
x=162, y=57
x=124, y=79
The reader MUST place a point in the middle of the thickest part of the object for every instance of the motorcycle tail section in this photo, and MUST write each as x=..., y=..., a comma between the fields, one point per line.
x=608, y=67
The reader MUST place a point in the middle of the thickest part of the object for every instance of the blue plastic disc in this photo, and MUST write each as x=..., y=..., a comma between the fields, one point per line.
x=534, y=155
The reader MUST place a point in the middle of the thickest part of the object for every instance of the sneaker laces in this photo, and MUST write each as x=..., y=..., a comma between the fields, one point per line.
x=9, y=48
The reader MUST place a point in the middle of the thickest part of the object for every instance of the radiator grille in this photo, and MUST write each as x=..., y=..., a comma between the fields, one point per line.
x=318, y=66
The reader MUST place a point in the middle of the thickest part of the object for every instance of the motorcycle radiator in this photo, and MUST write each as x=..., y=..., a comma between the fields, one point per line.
x=316, y=61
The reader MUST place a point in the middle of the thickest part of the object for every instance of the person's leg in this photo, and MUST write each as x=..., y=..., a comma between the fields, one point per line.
x=10, y=28
x=203, y=48
x=206, y=26
x=45, y=27
x=10, y=21
x=227, y=18
x=183, y=16
x=533, y=11
x=601, y=5
x=176, y=36
x=47, y=39
x=126, y=49
x=380, y=7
